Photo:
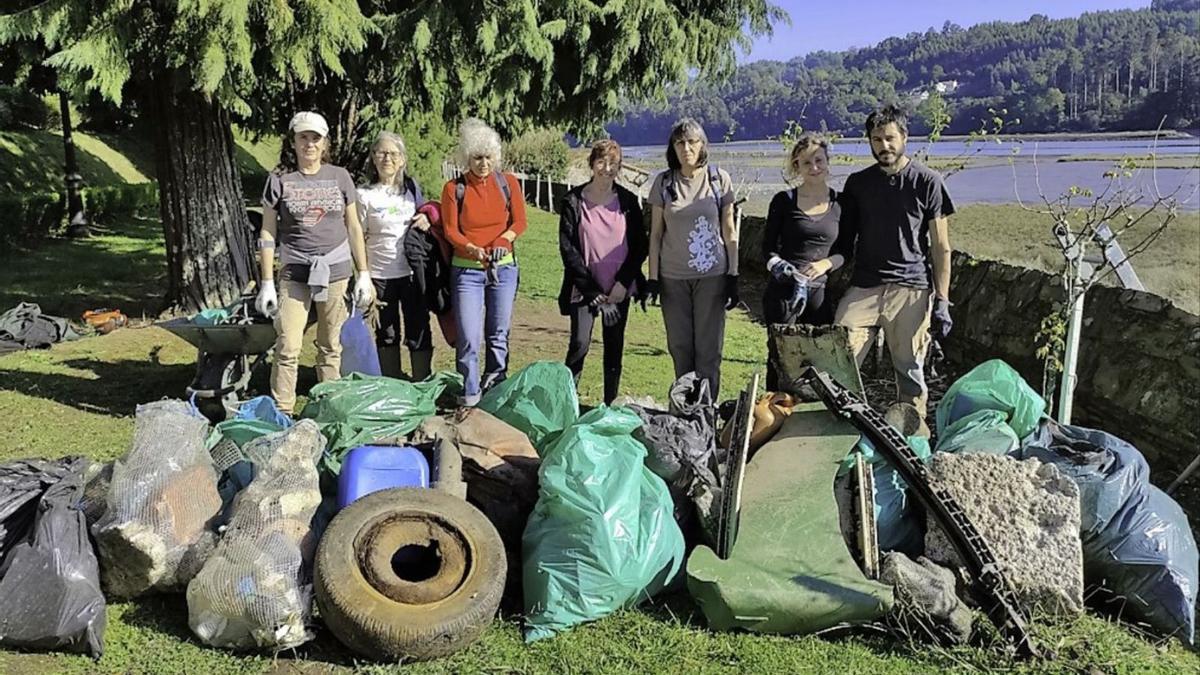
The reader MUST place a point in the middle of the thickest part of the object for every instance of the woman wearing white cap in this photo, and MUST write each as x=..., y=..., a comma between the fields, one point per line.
x=308, y=209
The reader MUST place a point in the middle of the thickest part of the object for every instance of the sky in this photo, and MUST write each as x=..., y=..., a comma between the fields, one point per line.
x=836, y=25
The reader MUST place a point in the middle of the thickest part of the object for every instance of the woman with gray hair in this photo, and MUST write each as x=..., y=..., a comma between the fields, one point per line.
x=388, y=207
x=693, y=253
x=802, y=225
x=483, y=212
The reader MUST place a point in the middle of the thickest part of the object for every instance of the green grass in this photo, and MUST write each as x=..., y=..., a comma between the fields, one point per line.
x=1170, y=267
x=79, y=397
x=33, y=160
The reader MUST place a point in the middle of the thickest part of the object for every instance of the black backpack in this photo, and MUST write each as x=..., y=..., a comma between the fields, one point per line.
x=670, y=192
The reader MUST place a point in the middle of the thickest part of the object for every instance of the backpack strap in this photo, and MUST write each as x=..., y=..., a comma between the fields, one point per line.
x=460, y=191
x=714, y=184
x=502, y=183
x=668, y=190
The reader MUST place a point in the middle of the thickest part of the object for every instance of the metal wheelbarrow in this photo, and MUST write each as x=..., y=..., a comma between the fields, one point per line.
x=228, y=354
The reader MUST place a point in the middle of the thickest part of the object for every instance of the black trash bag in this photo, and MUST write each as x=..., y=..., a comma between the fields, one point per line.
x=50, y=594
x=682, y=445
x=22, y=484
x=1138, y=550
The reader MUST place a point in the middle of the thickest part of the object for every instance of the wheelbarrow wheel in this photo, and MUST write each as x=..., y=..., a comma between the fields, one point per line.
x=409, y=574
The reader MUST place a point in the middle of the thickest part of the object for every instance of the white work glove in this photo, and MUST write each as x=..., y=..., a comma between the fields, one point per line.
x=267, y=301
x=364, y=290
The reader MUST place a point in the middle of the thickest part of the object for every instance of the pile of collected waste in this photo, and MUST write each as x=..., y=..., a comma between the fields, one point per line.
x=404, y=523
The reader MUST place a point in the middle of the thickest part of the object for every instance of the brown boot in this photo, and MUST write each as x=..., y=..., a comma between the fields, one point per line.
x=422, y=364
x=389, y=362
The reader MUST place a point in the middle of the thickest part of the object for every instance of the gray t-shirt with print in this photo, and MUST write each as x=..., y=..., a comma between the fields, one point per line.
x=312, y=214
x=692, y=245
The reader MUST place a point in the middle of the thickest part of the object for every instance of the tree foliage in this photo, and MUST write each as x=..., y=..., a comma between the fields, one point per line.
x=1102, y=70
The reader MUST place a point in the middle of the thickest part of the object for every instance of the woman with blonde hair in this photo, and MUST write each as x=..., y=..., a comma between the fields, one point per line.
x=388, y=207
x=308, y=209
x=483, y=213
x=802, y=225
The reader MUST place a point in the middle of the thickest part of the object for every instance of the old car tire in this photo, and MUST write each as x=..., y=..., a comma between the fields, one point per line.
x=409, y=574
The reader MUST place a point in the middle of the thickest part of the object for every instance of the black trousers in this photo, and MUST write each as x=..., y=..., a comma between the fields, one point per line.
x=400, y=296
x=582, y=322
x=817, y=312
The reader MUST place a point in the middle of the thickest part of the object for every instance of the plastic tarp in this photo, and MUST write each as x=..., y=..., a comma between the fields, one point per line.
x=601, y=535
x=790, y=570
x=984, y=431
x=364, y=409
x=50, y=585
x=992, y=385
x=1137, y=545
x=539, y=400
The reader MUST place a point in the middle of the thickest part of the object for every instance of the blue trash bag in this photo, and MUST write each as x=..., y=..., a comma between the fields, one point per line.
x=900, y=527
x=602, y=535
x=1138, y=548
x=984, y=431
x=358, y=347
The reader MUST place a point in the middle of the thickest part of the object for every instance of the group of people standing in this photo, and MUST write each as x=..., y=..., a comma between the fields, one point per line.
x=889, y=223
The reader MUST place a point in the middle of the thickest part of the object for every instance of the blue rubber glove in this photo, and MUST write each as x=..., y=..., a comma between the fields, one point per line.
x=940, y=322
x=782, y=270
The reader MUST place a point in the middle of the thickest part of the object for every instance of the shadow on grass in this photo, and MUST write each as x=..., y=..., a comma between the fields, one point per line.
x=123, y=268
x=116, y=390
x=32, y=161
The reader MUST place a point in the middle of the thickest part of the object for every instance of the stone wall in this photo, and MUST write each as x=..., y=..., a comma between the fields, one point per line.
x=1139, y=360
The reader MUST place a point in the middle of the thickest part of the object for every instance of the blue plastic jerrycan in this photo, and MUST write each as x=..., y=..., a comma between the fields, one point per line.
x=371, y=468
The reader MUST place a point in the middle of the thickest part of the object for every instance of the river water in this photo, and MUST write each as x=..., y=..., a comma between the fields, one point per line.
x=995, y=173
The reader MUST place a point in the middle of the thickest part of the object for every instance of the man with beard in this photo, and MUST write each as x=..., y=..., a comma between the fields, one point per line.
x=894, y=225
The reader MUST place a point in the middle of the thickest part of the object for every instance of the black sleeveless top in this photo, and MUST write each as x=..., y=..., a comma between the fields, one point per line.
x=795, y=236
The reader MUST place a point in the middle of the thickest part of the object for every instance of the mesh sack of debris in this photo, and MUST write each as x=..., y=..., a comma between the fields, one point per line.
x=255, y=591
x=162, y=501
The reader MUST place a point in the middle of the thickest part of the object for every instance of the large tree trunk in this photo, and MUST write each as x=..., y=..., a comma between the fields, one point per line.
x=208, y=236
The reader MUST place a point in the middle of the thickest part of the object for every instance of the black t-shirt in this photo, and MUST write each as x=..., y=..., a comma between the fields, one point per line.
x=795, y=236
x=885, y=224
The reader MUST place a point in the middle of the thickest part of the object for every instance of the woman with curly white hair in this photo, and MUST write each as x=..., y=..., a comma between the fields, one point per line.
x=483, y=212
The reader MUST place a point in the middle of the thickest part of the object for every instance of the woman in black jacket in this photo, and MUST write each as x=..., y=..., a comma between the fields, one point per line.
x=603, y=242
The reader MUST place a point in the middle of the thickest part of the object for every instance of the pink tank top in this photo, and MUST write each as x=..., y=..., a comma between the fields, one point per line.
x=602, y=236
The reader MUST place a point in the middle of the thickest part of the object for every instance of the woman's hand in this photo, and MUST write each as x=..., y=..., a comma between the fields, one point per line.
x=617, y=295
x=421, y=222
x=815, y=269
x=477, y=252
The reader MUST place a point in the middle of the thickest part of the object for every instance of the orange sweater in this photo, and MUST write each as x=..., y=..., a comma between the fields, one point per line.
x=484, y=216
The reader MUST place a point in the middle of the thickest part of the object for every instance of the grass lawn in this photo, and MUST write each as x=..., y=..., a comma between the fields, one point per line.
x=79, y=397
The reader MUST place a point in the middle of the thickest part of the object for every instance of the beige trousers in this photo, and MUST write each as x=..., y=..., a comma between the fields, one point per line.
x=903, y=314
x=295, y=299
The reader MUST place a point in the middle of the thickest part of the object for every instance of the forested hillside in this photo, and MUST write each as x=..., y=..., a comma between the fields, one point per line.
x=1110, y=71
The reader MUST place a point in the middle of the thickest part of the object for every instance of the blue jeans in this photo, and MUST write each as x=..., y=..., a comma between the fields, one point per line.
x=483, y=311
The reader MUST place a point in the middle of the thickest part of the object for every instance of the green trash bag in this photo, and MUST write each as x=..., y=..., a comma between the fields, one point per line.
x=982, y=431
x=540, y=401
x=602, y=535
x=992, y=385
x=363, y=409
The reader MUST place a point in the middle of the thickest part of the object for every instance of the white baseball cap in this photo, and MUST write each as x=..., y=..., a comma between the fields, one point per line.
x=309, y=121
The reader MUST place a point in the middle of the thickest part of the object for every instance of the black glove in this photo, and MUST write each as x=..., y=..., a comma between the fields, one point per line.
x=651, y=294
x=610, y=314
x=940, y=322
x=731, y=291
